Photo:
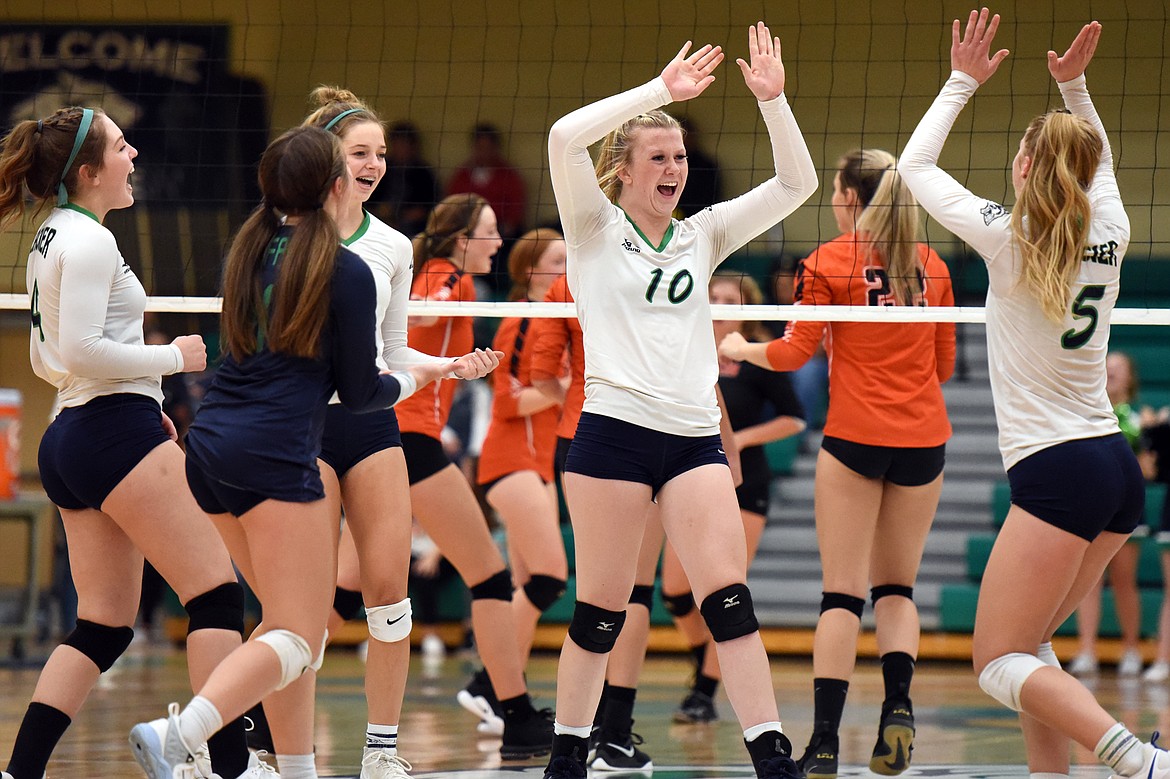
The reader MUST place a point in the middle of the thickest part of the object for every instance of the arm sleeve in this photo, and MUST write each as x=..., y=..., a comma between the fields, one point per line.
x=505, y=385
x=580, y=201
x=802, y=337
x=981, y=223
x=1077, y=100
x=353, y=348
x=944, y=332
x=395, y=351
x=548, y=340
x=735, y=222
x=87, y=273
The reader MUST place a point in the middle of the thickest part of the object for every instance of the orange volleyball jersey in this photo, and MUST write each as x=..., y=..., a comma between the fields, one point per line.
x=513, y=442
x=884, y=378
x=549, y=340
x=426, y=410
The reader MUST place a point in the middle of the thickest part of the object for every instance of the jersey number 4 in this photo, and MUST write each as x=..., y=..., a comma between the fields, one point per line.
x=682, y=284
x=1075, y=339
x=36, y=311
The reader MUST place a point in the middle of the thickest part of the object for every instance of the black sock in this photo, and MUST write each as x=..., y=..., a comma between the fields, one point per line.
x=573, y=747
x=767, y=746
x=39, y=733
x=259, y=736
x=518, y=708
x=699, y=653
x=897, y=671
x=828, y=704
x=706, y=685
x=599, y=715
x=619, y=709
x=229, y=749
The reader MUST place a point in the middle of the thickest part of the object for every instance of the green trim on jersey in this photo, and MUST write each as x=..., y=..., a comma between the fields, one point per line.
x=80, y=210
x=665, y=238
x=360, y=231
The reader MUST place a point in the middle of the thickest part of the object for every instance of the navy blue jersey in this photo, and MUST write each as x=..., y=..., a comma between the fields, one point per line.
x=259, y=427
x=747, y=396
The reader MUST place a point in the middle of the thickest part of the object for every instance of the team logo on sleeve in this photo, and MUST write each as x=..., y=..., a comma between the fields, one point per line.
x=991, y=212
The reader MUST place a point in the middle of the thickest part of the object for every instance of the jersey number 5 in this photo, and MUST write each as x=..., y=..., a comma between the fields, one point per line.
x=682, y=284
x=1072, y=339
x=36, y=311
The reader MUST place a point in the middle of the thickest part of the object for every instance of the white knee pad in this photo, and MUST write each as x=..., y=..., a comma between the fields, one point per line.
x=316, y=664
x=292, y=651
x=1047, y=655
x=1004, y=677
x=389, y=623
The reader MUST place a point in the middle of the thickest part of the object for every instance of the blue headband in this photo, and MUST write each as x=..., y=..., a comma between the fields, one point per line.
x=342, y=115
x=82, y=131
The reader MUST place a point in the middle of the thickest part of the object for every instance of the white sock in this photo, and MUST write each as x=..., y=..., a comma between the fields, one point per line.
x=1121, y=750
x=569, y=730
x=1043, y=775
x=198, y=721
x=296, y=766
x=383, y=737
x=755, y=731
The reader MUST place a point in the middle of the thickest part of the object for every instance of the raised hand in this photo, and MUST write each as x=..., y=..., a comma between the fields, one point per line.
x=687, y=76
x=765, y=74
x=1076, y=59
x=970, y=53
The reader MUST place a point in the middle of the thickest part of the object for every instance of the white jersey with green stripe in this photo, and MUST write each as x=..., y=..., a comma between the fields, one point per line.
x=1048, y=377
x=87, y=308
x=649, y=347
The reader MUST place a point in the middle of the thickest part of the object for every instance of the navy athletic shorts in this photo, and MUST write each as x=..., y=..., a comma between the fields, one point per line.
x=217, y=497
x=1084, y=487
x=561, y=454
x=424, y=456
x=350, y=438
x=905, y=466
x=608, y=448
x=88, y=450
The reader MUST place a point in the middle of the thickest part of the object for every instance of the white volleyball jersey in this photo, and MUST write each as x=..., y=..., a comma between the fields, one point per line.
x=649, y=348
x=391, y=258
x=1048, y=378
x=87, y=307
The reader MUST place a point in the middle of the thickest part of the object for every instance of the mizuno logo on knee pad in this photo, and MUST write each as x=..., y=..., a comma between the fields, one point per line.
x=606, y=626
x=729, y=613
x=732, y=601
x=595, y=629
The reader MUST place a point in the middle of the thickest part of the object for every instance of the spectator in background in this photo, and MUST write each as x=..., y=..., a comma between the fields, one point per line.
x=488, y=174
x=704, y=180
x=409, y=189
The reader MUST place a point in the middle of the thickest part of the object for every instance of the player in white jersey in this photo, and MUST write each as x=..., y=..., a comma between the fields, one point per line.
x=109, y=460
x=650, y=426
x=1077, y=490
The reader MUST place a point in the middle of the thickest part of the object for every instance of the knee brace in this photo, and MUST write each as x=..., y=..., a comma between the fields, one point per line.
x=643, y=595
x=100, y=643
x=729, y=613
x=595, y=629
x=221, y=608
x=292, y=651
x=347, y=603
x=1004, y=677
x=679, y=605
x=543, y=591
x=1047, y=655
x=839, y=600
x=882, y=590
x=498, y=586
x=389, y=623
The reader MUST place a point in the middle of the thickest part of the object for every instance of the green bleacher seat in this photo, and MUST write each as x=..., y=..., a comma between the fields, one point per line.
x=782, y=454
x=957, y=607
x=978, y=551
x=1001, y=501
x=1149, y=571
x=1153, y=363
x=1155, y=497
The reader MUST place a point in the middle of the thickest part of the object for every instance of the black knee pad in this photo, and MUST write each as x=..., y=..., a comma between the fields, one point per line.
x=882, y=590
x=839, y=600
x=595, y=629
x=100, y=643
x=643, y=595
x=498, y=586
x=679, y=605
x=543, y=591
x=347, y=603
x=219, y=609
x=729, y=613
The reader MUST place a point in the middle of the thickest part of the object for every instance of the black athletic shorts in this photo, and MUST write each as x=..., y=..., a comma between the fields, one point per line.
x=350, y=438
x=753, y=495
x=424, y=456
x=905, y=466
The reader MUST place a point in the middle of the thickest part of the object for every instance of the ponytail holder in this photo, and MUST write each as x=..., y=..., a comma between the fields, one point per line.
x=342, y=115
x=40, y=126
x=82, y=131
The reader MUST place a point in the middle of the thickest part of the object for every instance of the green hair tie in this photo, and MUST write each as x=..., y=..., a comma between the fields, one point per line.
x=342, y=115
x=82, y=131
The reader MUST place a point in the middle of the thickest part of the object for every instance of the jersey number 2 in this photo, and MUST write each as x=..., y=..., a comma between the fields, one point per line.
x=682, y=284
x=1073, y=339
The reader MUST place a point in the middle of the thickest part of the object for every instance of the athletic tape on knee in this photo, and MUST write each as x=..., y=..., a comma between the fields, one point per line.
x=347, y=603
x=320, y=660
x=221, y=608
x=679, y=605
x=643, y=595
x=1003, y=678
x=498, y=586
x=543, y=591
x=882, y=590
x=100, y=643
x=1047, y=655
x=729, y=613
x=389, y=623
x=292, y=651
x=595, y=629
x=839, y=600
